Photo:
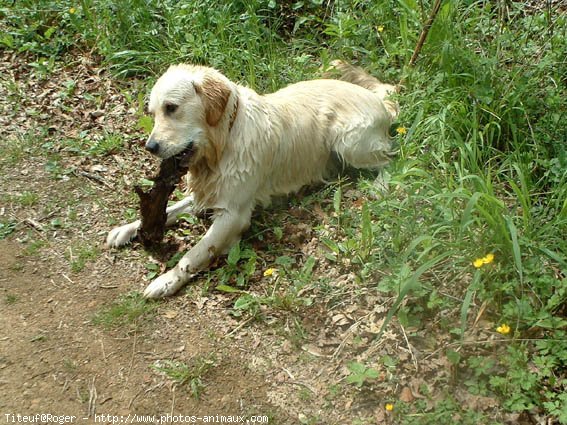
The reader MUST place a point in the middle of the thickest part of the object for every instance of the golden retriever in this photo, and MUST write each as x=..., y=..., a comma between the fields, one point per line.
x=245, y=147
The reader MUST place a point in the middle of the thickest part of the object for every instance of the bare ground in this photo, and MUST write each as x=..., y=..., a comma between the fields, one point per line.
x=55, y=277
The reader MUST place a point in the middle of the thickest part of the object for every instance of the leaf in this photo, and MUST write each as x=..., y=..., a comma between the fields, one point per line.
x=406, y=395
x=371, y=373
x=467, y=219
x=515, y=247
x=146, y=183
x=356, y=367
x=307, y=269
x=234, y=255
x=367, y=234
x=146, y=123
x=49, y=32
x=278, y=233
x=473, y=287
x=453, y=356
x=409, y=284
x=337, y=197
x=229, y=289
x=172, y=262
x=246, y=302
x=332, y=245
x=360, y=373
x=285, y=260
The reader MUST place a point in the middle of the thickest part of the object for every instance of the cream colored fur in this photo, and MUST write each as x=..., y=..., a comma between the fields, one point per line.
x=248, y=147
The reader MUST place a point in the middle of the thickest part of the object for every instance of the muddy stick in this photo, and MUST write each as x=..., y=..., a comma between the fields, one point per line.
x=153, y=204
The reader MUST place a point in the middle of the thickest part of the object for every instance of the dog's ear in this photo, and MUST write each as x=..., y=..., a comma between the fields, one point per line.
x=214, y=93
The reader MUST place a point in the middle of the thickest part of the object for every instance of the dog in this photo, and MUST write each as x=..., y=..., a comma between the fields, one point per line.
x=245, y=147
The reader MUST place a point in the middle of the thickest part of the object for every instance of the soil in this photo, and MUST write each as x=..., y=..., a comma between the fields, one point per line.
x=54, y=361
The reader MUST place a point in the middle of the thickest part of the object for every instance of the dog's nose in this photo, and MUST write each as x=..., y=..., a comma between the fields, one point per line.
x=152, y=146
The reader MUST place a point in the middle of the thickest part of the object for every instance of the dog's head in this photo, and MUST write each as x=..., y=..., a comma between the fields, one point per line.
x=188, y=103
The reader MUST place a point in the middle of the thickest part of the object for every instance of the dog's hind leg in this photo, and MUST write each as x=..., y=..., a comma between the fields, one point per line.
x=225, y=231
x=122, y=235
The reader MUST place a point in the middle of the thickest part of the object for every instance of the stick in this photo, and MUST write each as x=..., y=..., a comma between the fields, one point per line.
x=424, y=32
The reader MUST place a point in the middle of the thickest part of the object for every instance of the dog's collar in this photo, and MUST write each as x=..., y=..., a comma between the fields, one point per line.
x=233, y=114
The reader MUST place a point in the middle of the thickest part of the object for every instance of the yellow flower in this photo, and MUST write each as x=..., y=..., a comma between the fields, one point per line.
x=401, y=130
x=487, y=259
x=380, y=28
x=503, y=329
x=269, y=272
x=389, y=407
x=478, y=263
x=72, y=10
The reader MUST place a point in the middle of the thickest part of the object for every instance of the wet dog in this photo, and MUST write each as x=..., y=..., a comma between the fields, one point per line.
x=245, y=147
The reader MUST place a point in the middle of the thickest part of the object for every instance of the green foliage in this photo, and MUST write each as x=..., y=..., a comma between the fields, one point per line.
x=80, y=254
x=10, y=299
x=360, y=374
x=240, y=266
x=190, y=374
x=288, y=283
x=6, y=228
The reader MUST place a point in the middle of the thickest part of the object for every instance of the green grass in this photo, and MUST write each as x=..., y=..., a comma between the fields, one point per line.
x=481, y=169
x=79, y=255
x=127, y=312
x=190, y=374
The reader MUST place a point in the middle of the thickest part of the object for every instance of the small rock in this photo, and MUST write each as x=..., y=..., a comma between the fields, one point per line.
x=97, y=114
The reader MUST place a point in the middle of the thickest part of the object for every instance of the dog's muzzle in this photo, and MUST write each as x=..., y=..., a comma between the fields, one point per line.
x=154, y=147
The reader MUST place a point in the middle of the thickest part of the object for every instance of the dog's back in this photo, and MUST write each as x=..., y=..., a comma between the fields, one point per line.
x=340, y=70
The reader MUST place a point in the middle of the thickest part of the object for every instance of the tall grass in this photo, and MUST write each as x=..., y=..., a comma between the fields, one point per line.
x=482, y=167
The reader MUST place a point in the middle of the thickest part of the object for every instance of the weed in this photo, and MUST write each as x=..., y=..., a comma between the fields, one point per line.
x=191, y=375
x=38, y=338
x=240, y=266
x=99, y=145
x=6, y=228
x=14, y=149
x=129, y=311
x=153, y=270
x=34, y=246
x=27, y=199
x=10, y=299
x=79, y=255
x=69, y=365
x=360, y=374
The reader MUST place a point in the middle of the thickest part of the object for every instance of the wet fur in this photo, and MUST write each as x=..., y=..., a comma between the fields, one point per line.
x=250, y=147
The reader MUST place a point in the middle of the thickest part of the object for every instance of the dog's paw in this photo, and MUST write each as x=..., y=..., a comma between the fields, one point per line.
x=165, y=285
x=122, y=235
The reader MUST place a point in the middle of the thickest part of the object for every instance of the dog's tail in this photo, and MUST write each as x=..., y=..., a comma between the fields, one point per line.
x=340, y=70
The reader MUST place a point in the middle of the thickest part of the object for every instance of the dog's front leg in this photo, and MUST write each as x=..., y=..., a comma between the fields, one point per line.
x=225, y=231
x=122, y=235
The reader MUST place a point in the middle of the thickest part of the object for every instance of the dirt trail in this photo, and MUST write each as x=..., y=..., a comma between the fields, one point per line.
x=55, y=361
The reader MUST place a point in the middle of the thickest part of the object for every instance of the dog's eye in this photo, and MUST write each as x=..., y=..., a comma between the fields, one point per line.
x=170, y=108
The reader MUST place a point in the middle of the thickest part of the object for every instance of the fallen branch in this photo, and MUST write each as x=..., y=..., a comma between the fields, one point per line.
x=425, y=32
x=153, y=204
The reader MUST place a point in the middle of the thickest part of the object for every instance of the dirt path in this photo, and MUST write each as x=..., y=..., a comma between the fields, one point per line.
x=55, y=361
